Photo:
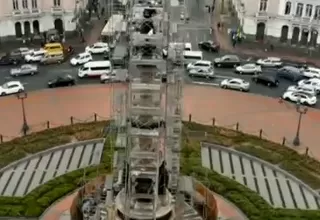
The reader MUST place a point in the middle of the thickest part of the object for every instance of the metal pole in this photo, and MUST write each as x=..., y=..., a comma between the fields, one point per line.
x=296, y=140
x=25, y=127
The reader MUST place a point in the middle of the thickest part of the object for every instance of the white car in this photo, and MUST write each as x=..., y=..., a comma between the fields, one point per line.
x=200, y=64
x=21, y=51
x=270, y=62
x=98, y=48
x=300, y=97
x=81, y=58
x=305, y=89
x=198, y=72
x=313, y=82
x=235, y=83
x=311, y=72
x=11, y=87
x=35, y=56
x=249, y=68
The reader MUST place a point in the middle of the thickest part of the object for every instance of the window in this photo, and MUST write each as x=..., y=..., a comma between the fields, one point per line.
x=308, y=10
x=56, y=3
x=25, y=4
x=15, y=4
x=263, y=5
x=299, y=10
x=287, y=10
x=317, y=12
x=34, y=3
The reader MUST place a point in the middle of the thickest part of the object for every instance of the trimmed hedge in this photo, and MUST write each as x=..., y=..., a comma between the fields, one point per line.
x=254, y=206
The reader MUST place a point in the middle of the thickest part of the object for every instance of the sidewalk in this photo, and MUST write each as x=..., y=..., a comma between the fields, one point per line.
x=222, y=37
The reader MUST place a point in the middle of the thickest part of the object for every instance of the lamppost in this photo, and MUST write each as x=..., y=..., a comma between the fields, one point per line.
x=302, y=110
x=25, y=127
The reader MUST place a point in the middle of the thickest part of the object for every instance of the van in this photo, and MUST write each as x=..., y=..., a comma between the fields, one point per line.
x=119, y=56
x=192, y=56
x=95, y=68
x=52, y=58
x=53, y=47
x=187, y=46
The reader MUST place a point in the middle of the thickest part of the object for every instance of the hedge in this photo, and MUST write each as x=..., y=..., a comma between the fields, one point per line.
x=254, y=206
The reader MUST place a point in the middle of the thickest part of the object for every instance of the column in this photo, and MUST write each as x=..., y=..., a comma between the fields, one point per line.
x=31, y=27
x=300, y=34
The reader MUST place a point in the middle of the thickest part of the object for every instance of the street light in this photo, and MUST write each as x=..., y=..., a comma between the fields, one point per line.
x=302, y=110
x=25, y=127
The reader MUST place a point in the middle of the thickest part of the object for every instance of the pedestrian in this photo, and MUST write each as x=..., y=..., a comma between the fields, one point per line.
x=211, y=30
x=218, y=26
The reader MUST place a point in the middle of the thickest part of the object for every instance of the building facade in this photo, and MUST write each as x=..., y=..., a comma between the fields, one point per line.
x=288, y=21
x=21, y=18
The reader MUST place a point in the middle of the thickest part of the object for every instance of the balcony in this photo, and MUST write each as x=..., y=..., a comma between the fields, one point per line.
x=57, y=10
x=26, y=13
x=262, y=16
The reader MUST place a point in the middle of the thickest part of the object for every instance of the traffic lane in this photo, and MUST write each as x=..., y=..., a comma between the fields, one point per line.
x=230, y=72
x=194, y=34
x=197, y=10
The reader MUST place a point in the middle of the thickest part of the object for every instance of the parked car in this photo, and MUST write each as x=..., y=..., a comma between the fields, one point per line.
x=235, y=83
x=267, y=80
x=305, y=89
x=21, y=52
x=119, y=75
x=290, y=73
x=313, y=82
x=35, y=56
x=209, y=46
x=11, y=87
x=311, y=72
x=200, y=64
x=61, y=81
x=227, y=61
x=7, y=60
x=98, y=48
x=300, y=97
x=249, y=68
x=206, y=73
x=81, y=58
x=270, y=62
x=26, y=69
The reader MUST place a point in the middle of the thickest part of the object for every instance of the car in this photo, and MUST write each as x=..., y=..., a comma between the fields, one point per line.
x=313, y=82
x=227, y=61
x=197, y=72
x=235, y=83
x=267, y=80
x=98, y=48
x=61, y=81
x=300, y=97
x=209, y=46
x=270, y=62
x=35, y=56
x=26, y=69
x=7, y=60
x=249, y=68
x=200, y=64
x=311, y=72
x=21, y=52
x=305, y=89
x=104, y=78
x=118, y=75
x=81, y=58
x=290, y=73
x=11, y=87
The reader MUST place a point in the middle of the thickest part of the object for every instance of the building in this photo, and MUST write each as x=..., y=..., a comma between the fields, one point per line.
x=288, y=21
x=20, y=18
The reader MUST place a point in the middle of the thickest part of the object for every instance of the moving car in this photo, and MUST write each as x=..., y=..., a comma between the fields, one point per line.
x=119, y=75
x=35, y=56
x=227, y=61
x=53, y=58
x=61, y=81
x=300, y=97
x=270, y=62
x=95, y=69
x=26, y=69
x=206, y=73
x=267, y=80
x=311, y=72
x=235, y=83
x=313, y=82
x=11, y=87
x=290, y=73
x=305, y=89
x=249, y=68
x=200, y=64
x=209, y=46
x=98, y=48
x=81, y=58
x=7, y=60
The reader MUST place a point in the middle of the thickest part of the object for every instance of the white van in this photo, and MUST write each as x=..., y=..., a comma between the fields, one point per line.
x=192, y=56
x=95, y=68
